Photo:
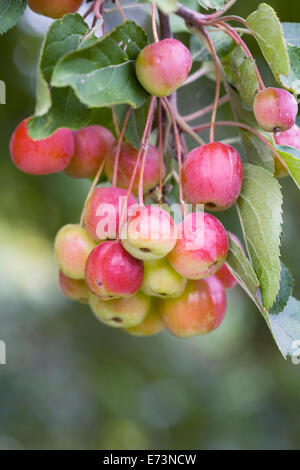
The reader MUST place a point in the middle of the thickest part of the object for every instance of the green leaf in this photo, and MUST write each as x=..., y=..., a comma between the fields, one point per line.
x=257, y=152
x=268, y=32
x=65, y=111
x=291, y=156
x=291, y=33
x=244, y=75
x=259, y=208
x=286, y=327
x=103, y=74
x=213, y=4
x=285, y=291
x=10, y=13
x=222, y=42
x=242, y=270
x=166, y=6
x=63, y=36
x=136, y=123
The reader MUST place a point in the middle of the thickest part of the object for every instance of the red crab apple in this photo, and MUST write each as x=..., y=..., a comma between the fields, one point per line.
x=127, y=161
x=72, y=247
x=161, y=280
x=224, y=275
x=112, y=272
x=92, y=144
x=125, y=312
x=201, y=248
x=151, y=325
x=289, y=138
x=163, y=66
x=54, y=8
x=199, y=310
x=44, y=156
x=150, y=234
x=74, y=289
x=213, y=175
x=103, y=211
x=275, y=109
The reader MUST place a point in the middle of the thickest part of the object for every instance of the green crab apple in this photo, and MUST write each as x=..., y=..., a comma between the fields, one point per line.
x=201, y=248
x=151, y=325
x=54, y=8
x=163, y=66
x=125, y=312
x=112, y=272
x=198, y=311
x=44, y=156
x=161, y=280
x=212, y=174
x=150, y=233
x=92, y=144
x=275, y=109
x=74, y=289
x=72, y=247
x=103, y=211
x=127, y=161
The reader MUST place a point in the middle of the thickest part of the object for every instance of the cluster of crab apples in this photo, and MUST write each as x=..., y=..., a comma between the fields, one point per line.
x=137, y=268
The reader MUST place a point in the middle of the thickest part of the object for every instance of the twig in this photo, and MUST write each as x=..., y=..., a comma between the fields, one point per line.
x=206, y=110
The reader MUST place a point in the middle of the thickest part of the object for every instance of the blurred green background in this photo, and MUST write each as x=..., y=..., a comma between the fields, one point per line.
x=70, y=382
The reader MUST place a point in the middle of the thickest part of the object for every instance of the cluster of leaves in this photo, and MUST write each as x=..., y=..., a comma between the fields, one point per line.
x=80, y=79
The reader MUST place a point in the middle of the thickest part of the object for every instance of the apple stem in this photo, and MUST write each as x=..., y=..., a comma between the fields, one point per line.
x=115, y=122
x=203, y=127
x=178, y=148
x=161, y=149
x=119, y=146
x=120, y=10
x=154, y=26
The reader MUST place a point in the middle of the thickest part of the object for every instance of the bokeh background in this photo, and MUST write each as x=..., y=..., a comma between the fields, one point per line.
x=72, y=383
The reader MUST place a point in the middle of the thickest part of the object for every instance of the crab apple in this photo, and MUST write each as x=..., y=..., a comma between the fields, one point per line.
x=112, y=272
x=74, y=289
x=54, y=8
x=161, y=280
x=92, y=144
x=224, y=275
x=103, y=211
x=201, y=248
x=150, y=233
x=127, y=161
x=151, y=325
x=163, y=66
x=289, y=138
x=212, y=174
x=72, y=247
x=125, y=312
x=199, y=310
x=44, y=156
x=275, y=109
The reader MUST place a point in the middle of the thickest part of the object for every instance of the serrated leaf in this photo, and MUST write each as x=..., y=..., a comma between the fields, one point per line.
x=103, y=74
x=286, y=327
x=136, y=123
x=222, y=42
x=63, y=36
x=259, y=208
x=213, y=4
x=268, y=32
x=242, y=270
x=244, y=75
x=285, y=291
x=10, y=13
x=291, y=156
